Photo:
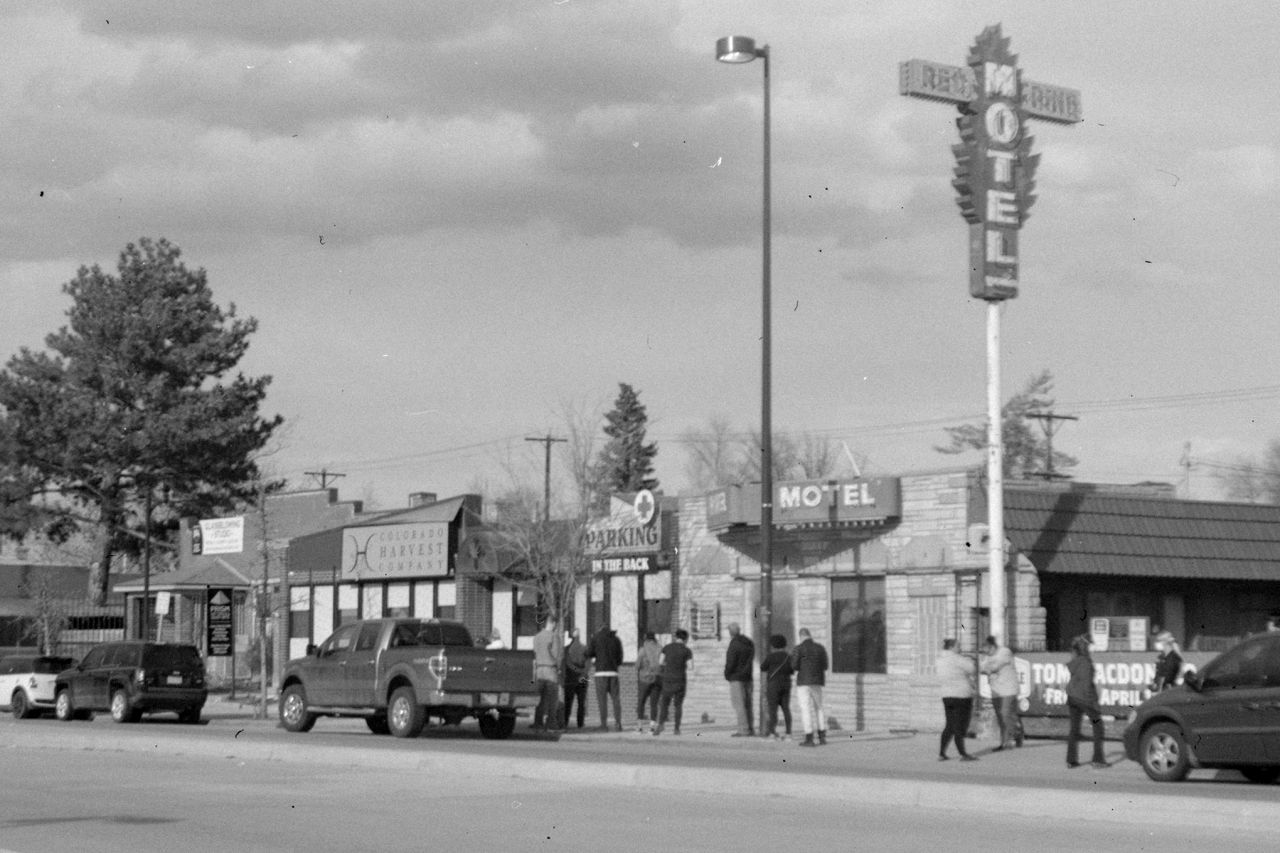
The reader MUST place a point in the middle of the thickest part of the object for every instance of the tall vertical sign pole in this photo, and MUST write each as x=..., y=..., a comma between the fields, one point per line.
x=994, y=179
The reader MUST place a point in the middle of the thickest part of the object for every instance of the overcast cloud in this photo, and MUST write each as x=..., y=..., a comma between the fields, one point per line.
x=450, y=218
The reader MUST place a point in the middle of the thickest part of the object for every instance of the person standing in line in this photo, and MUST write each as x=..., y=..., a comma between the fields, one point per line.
x=1082, y=700
x=775, y=672
x=955, y=673
x=1002, y=676
x=606, y=651
x=575, y=679
x=674, y=664
x=1168, y=662
x=739, y=659
x=546, y=673
x=648, y=683
x=809, y=660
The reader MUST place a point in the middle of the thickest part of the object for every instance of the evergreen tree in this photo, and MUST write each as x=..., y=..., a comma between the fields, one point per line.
x=626, y=462
x=133, y=404
x=1025, y=448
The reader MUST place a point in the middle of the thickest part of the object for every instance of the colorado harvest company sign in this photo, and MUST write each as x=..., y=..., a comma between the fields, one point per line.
x=995, y=169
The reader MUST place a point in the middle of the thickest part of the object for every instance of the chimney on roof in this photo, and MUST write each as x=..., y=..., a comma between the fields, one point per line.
x=417, y=499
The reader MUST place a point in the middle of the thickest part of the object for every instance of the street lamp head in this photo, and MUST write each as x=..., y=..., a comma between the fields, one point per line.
x=737, y=49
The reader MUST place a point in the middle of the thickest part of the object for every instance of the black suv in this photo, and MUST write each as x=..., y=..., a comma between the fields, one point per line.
x=131, y=678
x=1225, y=716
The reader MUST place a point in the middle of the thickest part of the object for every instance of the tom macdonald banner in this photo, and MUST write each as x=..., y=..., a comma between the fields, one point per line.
x=1122, y=679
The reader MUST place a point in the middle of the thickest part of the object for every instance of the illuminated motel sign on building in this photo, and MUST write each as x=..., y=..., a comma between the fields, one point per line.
x=995, y=169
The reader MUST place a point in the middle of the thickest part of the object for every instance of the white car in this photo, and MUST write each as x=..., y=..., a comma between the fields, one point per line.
x=26, y=683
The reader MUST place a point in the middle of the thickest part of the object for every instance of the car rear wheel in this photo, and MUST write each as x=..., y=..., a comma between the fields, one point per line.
x=405, y=717
x=122, y=710
x=190, y=715
x=1163, y=753
x=19, y=706
x=294, y=715
x=1261, y=775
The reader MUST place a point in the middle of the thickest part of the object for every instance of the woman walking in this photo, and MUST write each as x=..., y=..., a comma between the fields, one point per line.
x=1082, y=700
x=956, y=674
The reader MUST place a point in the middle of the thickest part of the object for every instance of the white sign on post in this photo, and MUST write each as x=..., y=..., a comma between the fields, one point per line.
x=222, y=535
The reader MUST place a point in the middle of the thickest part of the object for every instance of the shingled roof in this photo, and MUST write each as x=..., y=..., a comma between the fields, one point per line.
x=1086, y=532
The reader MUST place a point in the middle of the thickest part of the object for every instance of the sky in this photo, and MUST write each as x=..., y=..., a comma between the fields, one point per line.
x=455, y=220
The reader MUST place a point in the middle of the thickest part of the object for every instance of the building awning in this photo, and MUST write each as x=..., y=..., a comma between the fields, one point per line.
x=217, y=572
x=1079, y=531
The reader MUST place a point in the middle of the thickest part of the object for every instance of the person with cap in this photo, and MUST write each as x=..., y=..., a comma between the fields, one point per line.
x=739, y=660
x=1082, y=700
x=1168, y=662
x=1002, y=678
x=546, y=674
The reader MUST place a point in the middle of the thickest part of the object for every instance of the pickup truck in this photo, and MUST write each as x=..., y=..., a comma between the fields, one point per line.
x=396, y=673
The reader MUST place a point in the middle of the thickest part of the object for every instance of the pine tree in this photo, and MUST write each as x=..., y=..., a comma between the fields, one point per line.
x=626, y=462
x=133, y=401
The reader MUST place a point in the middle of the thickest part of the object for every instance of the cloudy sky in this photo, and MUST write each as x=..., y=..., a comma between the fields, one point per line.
x=454, y=218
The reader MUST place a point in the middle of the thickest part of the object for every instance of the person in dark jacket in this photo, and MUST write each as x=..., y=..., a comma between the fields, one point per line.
x=575, y=678
x=775, y=671
x=606, y=651
x=809, y=660
x=1082, y=700
x=739, y=660
x=1168, y=662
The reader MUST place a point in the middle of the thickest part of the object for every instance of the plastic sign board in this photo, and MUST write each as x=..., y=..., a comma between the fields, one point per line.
x=419, y=549
x=219, y=619
x=995, y=169
x=807, y=502
x=632, y=528
x=221, y=535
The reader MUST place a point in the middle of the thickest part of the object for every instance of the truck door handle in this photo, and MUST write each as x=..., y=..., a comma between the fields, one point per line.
x=1250, y=706
x=489, y=660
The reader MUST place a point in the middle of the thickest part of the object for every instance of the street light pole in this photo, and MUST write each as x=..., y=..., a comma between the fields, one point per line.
x=740, y=49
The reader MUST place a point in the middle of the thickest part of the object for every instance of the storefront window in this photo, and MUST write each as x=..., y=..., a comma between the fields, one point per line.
x=858, y=625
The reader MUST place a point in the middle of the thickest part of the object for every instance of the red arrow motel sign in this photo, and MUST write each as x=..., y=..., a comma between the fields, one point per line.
x=995, y=169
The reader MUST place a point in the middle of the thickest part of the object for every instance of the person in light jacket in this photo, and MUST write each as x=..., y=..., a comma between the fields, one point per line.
x=957, y=679
x=648, y=682
x=1002, y=676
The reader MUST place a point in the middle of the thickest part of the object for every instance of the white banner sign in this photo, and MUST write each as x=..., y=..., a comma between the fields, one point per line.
x=222, y=535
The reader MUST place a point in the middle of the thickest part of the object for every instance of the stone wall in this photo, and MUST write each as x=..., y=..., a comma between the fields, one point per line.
x=930, y=572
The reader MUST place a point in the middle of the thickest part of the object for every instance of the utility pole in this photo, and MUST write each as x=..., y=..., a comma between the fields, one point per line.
x=1047, y=423
x=548, y=440
x=324, y=474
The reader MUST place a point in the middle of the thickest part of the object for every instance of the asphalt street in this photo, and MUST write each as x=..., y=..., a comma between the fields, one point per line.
x=898, y=769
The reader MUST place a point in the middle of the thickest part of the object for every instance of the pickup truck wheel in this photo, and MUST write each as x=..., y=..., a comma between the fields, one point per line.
x=18, y=705
x=405, y=717
x=122, y=710
x=294, y=715
x=378, y=725
x=497, y=727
